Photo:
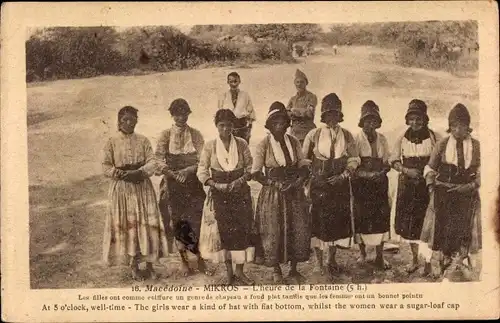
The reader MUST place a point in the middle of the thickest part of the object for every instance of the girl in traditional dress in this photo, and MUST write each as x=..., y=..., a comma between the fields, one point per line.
x=301, y=108
x=240, y=103
x=370, y=185
x=410, y=155
x=134, y=228
x=453, y=177
x=181, y=194
x=225, y=167
x=281, y=213
x=334, y=159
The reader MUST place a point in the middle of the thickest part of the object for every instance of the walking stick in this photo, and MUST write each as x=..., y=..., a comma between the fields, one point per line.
x=351, y=204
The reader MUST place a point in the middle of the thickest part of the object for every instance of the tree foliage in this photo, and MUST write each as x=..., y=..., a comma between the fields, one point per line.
x=72, y=52
x=429, y=44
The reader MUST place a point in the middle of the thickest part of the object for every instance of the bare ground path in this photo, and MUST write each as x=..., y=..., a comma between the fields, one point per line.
x=69, y=120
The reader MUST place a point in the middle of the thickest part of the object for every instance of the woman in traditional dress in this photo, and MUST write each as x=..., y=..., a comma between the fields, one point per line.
x=453, y=176
x=181, y=194
x=281, y=213
x=301, y=108
x=410, y=155
x=133, y=228
x=240, y=103
x=370, y=185
x=334, y=159
x=225, y=167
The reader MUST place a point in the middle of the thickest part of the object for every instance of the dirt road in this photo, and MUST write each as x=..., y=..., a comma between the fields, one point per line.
x=69, y=120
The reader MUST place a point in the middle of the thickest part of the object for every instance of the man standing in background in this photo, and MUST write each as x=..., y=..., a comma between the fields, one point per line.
x=239, y=102
x=302, y=107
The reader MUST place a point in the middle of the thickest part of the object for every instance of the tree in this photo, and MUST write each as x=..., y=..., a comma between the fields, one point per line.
x=68, y=52
x=287, y=33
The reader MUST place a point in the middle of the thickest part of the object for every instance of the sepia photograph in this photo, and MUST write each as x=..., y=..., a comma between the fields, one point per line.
x=268, y=153
x=250, y=160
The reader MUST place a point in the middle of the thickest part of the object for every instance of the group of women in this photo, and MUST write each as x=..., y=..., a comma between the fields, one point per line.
x=322, y=188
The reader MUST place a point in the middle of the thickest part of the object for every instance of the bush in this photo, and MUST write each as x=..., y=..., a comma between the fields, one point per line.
x=72, y=52
x=225, y=52
x=68, y=52
x=430, y=44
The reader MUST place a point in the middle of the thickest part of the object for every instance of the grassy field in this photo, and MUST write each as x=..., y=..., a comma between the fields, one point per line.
x=68, y=122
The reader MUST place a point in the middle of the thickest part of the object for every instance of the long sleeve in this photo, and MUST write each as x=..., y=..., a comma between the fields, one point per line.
x=161, y=150
x=311, y=106
x=250, y=109
x=386, y=152
x=108, y=166
x=247, y=157
x=151, y=164
x=395, y=155
x=308, y=144
x=301, y=160
x=259, y=157
x=353, y=159
x=203, y=172
x=198, y=143
x=430, y=170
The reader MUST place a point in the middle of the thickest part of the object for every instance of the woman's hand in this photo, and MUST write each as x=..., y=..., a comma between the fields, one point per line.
x=181, y=176
x=412, y=173
x=337, y=179
x=133, y=175
x=237, y=184
x=119, y=173
x=378, y=176
x=463, y=188
x=221, y=187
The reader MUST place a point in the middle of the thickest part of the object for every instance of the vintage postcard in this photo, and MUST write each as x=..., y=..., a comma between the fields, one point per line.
x=257, y=161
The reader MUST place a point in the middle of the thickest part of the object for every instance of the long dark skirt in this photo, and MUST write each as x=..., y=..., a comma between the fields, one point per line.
x=182, y=202
x=372, y=213
x=455, y=221
x=234, y=216
x=411, y=205
x=331, y=211
x=284, y=226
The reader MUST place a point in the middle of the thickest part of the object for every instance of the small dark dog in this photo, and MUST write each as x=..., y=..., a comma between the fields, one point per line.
x=187, y=240
x=185, y=234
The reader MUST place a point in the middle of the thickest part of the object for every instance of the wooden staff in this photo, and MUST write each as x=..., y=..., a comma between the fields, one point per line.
x=351, y=204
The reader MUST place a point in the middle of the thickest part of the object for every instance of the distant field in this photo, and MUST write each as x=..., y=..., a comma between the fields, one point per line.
x=68, y=122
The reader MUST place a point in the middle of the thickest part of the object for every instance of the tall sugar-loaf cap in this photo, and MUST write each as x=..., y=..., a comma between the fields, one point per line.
x=369, y=108
x=459, y=113
x=331, y=102
x=418, y=107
